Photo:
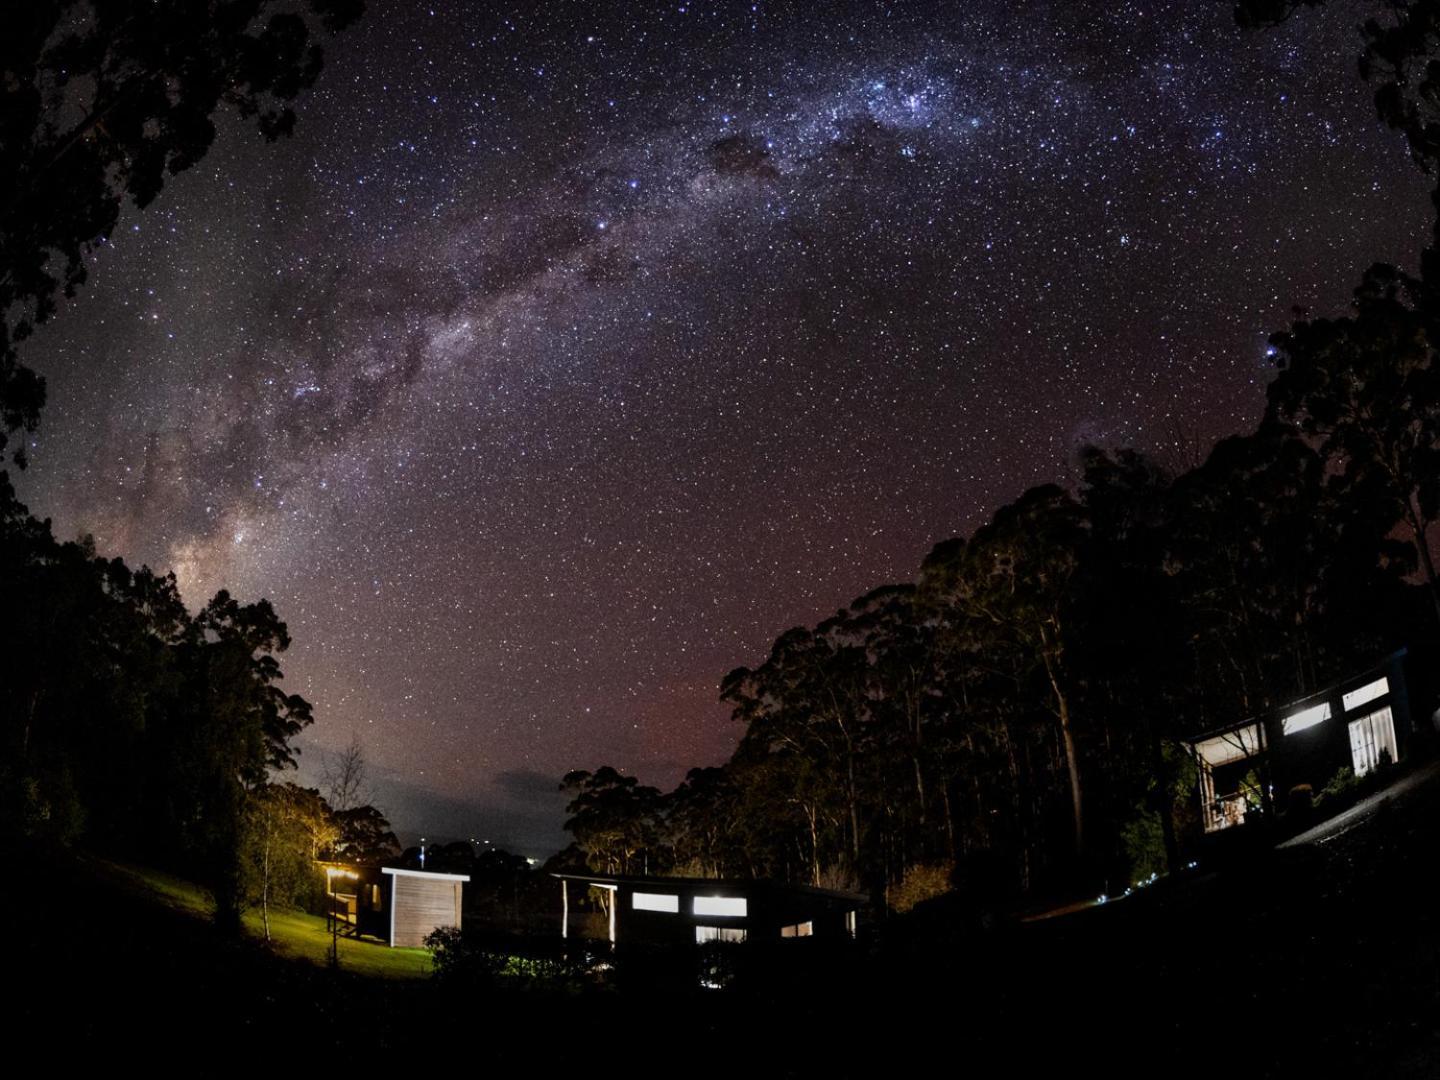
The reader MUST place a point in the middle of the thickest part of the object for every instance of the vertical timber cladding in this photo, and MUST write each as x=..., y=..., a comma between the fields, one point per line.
x=421, y=903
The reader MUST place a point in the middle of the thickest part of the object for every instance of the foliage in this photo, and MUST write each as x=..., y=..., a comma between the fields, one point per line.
x=364, y=836
x=1144, y=842
x=140, y=727
x=283, y=827
x=103, y=100
x=463, y=958
x=614, y=819
x=1341, y=785
x=921, y=882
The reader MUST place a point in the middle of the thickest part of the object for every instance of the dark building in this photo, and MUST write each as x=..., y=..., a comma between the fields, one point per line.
x=1359, y=723
x=657, y=911
x=400, y=907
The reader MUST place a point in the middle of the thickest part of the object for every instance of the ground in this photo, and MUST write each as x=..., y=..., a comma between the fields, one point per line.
x=294, y=934
x=1319, y=959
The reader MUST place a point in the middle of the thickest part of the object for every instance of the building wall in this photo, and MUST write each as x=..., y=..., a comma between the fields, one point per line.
x=420, y=906
x=768, y=910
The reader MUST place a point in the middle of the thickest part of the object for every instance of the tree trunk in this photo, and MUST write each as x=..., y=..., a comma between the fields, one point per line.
x=265, y=890
x=1072, y=763
x=1422, y=547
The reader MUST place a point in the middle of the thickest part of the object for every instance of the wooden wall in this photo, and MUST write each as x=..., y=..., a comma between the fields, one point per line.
x=423, y=905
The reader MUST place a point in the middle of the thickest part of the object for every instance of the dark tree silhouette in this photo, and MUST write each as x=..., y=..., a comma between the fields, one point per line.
x=102, y=100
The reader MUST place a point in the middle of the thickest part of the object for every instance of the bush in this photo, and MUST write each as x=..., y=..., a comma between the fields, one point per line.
x=1143, y=838
x=923, y=881
x=475, y=960
x=1341, y=785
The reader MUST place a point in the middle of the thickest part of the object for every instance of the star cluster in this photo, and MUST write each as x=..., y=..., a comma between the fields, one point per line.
x=571, y=352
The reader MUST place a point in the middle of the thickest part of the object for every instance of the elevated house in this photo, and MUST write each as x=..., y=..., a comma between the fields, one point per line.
x=659, y=911
x=400, y=907
x=1362, y=722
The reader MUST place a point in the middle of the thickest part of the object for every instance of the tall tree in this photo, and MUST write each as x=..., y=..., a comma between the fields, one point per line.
x=614, y=818
x=1366, y=389
x=345, y=776
x=1012, y=585
x=102, y=100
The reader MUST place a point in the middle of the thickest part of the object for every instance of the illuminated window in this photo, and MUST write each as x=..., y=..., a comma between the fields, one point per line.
x=1369, y=692
x=1306, y=718
x=1371, y=737
x=649, y=901
x=375, y=901
x=804, y=929
x=720, y=905
x=733, y=934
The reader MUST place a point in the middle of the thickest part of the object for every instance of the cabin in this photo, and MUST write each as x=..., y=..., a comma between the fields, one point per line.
x=400, y=907
x=1245, y=768
x=665, y=911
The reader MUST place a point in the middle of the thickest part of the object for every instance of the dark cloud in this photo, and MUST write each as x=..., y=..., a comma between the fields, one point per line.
x=742, y=155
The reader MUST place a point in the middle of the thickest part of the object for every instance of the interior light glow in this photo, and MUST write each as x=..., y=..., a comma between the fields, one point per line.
x=1306, y=718
x=721, y=905
x=644, y=901
x=1369, y=692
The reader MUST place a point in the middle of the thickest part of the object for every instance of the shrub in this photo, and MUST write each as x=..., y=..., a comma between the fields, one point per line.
x=1143, y=839
x=923, y=881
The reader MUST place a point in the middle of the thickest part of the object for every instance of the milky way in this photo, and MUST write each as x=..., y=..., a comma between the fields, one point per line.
x=565, y=357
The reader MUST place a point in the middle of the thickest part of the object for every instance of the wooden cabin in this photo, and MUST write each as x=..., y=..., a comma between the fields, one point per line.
x=400, y=907
x=1359, y=723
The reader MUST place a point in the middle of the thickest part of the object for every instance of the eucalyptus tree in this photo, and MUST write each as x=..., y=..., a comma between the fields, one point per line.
x=1365, y=390
x=1010, y=593
x=614, y=819
x=103, y=100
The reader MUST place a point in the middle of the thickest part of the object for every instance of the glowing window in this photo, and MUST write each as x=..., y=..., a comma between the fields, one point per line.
x=1306, y=718
x=733, y=934
x=720, y=905
x=804, y=929
x=1372, y=740
x=649, y=901
x=1369, y=692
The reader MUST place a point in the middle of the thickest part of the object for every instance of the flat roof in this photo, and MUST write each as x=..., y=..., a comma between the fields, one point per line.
x=423, y=873
x=1315, y=696
x=737, y=884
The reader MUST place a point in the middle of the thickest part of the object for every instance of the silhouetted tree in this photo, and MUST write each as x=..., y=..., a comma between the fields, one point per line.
x=102, y=100
x=614, y=819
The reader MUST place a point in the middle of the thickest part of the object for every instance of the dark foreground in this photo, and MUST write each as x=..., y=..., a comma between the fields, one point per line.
x=1320, y=959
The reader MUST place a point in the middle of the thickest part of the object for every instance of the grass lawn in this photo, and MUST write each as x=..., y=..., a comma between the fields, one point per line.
x=293, y=934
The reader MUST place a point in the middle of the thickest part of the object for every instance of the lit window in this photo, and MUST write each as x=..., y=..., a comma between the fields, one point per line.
x=733, y=934
x=1372, y=740
x=649, y=901
x=720, y=905
x=804, y=929
x=1369, y=692
x=1306, y=718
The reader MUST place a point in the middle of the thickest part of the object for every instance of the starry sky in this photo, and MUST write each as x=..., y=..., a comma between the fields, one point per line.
x=571, y=352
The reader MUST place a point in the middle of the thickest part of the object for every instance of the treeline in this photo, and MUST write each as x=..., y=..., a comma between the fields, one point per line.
x=1010, y=720
x=149, y=732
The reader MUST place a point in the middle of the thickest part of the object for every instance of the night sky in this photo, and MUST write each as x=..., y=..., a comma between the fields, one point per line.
x=569, y=354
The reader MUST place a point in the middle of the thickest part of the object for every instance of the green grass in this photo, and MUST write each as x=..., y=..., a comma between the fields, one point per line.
x=293, y=934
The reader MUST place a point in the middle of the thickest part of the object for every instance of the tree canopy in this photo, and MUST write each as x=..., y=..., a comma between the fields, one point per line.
x=103, y=100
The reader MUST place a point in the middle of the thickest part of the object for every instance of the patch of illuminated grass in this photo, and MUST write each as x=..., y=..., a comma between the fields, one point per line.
x=293, y=934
